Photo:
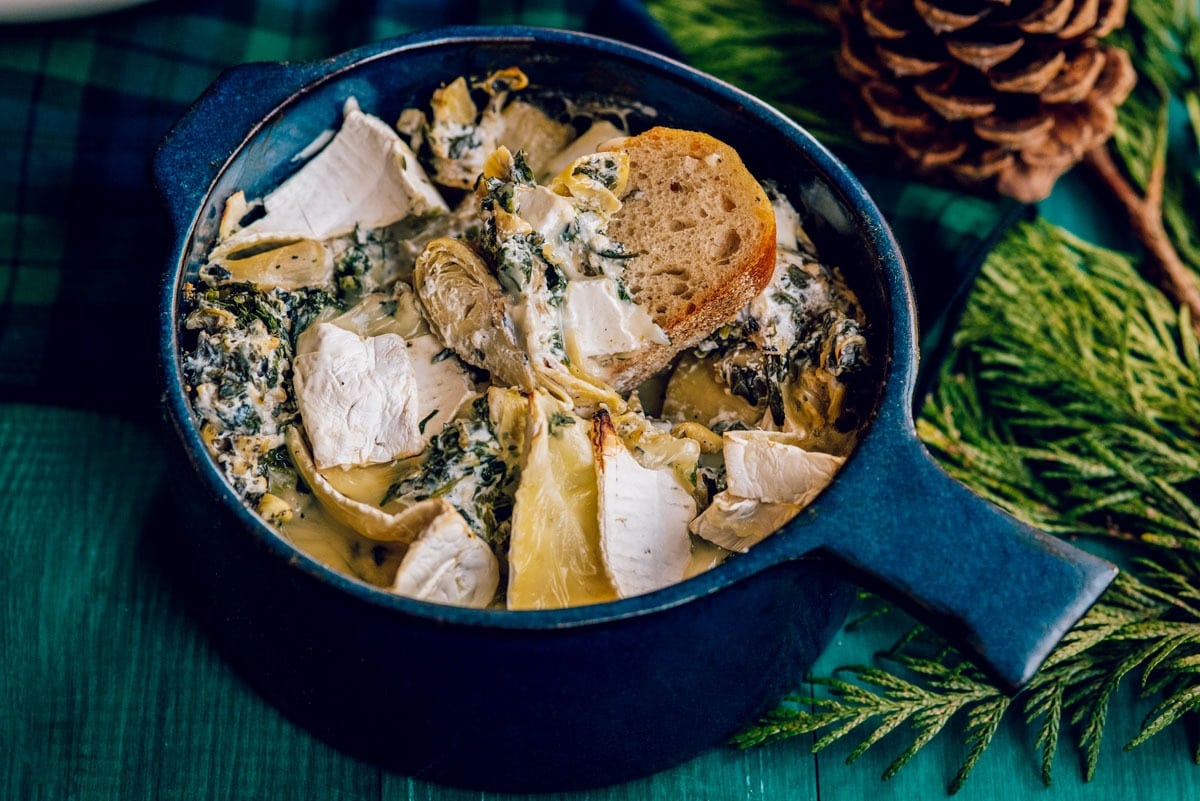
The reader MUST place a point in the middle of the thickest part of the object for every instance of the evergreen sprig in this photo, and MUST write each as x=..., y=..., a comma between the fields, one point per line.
x=1091, y=382
x=771, y=51
x=941, y=689
x=1073, y=401
x=1148, y=626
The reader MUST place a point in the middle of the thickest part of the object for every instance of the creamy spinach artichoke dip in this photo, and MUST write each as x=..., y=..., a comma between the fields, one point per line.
x=401, y=358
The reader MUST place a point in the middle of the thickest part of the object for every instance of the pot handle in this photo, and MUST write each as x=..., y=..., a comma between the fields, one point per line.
x=215, y=126
x=1003, y=589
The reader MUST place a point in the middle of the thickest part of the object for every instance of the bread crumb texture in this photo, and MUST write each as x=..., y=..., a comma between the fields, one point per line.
x=702, y=229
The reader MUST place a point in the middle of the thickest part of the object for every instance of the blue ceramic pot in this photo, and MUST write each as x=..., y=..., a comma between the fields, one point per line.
x=593, y=695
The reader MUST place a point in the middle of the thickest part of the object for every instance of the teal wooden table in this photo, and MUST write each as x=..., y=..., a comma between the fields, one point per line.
x=109, y=689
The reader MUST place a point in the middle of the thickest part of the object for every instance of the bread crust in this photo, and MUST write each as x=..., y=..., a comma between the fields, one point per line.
x=703, y=230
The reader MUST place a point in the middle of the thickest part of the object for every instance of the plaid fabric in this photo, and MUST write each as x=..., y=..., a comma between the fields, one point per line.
x=83, y=104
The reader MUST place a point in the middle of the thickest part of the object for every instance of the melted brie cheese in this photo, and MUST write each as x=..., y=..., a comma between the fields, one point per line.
x=598, y=323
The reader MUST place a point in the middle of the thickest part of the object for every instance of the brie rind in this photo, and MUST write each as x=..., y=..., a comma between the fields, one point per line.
x=771, y=466
x=448, y=564
x=644, y=517
x=366, y=177
x=357, y=398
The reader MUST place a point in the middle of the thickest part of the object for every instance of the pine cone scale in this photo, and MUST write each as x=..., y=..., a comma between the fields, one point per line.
x=984, y=55
x=1084, y=19
x=1076, y=79
x=1050, y=17
x=1111, y=16
x=1028, y=77
x=948, y=20
x=1014, y=134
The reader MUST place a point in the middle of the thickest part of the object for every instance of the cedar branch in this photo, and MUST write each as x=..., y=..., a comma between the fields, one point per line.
x=1146, y=219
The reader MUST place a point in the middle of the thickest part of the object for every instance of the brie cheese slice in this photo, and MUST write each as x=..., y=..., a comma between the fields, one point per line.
x=443, y=387
x=737, y=524
x=448, y=564
x=771, y=466
x=357, y=398
x=597, y=323
x=365, y=177
x=644, y=516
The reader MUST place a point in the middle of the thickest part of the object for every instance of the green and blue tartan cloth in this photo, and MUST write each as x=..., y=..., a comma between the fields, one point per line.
x=83, y=103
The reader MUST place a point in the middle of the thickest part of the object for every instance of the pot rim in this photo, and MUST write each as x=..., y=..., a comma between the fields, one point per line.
x=896, y=338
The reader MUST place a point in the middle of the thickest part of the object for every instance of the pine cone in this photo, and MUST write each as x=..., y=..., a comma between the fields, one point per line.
x=1002, y=93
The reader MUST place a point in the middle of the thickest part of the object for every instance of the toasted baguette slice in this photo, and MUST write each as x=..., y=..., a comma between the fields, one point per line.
x=704, y=232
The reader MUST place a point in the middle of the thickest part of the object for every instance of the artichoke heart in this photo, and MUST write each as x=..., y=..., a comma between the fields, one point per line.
x=468, y=310
x=595, y=181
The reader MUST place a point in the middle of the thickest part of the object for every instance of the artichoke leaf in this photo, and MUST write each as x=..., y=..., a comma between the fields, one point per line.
x=595, y=181
x=369, y=483
x=340, y=547
x=271, y=261
x=374, y=314
x=368, y=520
x=508, y=410
x=529, y=129
x=655, y=449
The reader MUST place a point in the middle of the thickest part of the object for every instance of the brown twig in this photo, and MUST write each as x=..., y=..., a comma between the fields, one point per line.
x=1146, y=219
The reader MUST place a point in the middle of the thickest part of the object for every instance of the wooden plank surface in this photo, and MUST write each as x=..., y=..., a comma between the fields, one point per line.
x=109, y=690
